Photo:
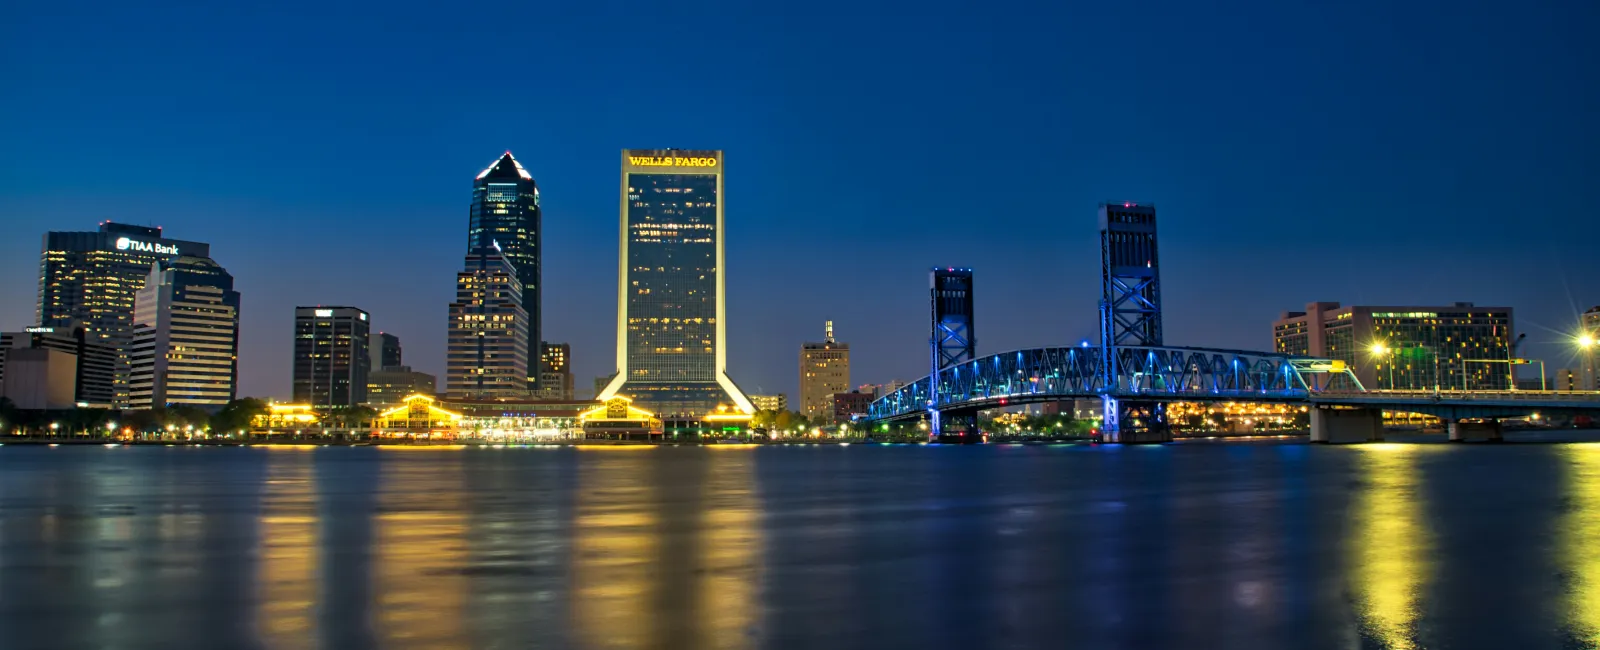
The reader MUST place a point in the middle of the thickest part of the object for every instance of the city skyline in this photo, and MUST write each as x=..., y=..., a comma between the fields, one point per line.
x=1372, y=179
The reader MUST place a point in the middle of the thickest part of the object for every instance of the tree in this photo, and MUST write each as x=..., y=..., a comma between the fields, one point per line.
x=184, y=415
x=237, y=415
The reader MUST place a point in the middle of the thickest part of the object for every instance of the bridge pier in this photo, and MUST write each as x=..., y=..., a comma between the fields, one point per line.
x=1330, y=425
x=1485, y=431
x=1129, y=422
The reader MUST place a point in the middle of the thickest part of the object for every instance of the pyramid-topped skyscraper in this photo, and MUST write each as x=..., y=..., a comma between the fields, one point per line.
x=506, y=221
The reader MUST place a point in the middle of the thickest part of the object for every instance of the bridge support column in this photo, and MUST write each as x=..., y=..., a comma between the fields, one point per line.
x=1130, y=422
x=1486, y=431
x=1330, y=425
x=959, y=428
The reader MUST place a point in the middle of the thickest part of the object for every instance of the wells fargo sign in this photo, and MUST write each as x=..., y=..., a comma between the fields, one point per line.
x=671, y=161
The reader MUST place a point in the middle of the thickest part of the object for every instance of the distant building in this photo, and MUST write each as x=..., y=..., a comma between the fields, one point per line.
x=1458, y=347
x=94, y=361
x=391, y=385
x=883, y=389
x=505, y=215
x=91, y=278
x=331, y=359
x=1588, y=375
x=556, y=382
x=846, y=405
x=824, y=371
x=487, y=353
x=671, y=322
x=779, y=402
x=1569, y=379
x=384, y=351
x=185, y=336
x=40, y=378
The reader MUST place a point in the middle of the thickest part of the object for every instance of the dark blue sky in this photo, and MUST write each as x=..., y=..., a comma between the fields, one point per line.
x=1366, y=152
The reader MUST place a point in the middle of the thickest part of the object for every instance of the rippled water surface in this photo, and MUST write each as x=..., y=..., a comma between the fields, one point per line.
x=1195, y=545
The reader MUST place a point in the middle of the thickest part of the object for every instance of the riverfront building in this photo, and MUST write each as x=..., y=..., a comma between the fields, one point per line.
x=1458, y=347
x=393, y=384
x=185, y=347
x=779, y=402
x=1585, y=376
x=505, y=215
x=487, y=352
x=92, y=370
x=331, y=360
x=671, y=303
x=91, y=278
x=555, y=380
x=824, y=372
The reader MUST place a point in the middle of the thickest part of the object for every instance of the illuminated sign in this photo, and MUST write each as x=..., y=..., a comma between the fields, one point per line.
x=324, y=313
x=363, y=317
x=39, y=330
x=126, y=244
x=670, y=161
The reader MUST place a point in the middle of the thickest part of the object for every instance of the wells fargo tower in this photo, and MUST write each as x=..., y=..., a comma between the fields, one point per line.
x=671, y=307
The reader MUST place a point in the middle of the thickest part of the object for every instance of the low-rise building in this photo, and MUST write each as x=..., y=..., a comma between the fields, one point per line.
x=779, y=402
x=848, y=405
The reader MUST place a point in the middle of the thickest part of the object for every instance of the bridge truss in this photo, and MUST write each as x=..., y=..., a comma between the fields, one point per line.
x=1135, y=373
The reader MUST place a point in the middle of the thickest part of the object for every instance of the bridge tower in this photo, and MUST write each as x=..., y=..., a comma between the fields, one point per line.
x=952, y=339
x=1130, y=315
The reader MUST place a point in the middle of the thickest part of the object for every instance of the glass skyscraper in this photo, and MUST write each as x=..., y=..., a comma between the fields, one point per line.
x=671, y=326
x=505, y=215
x=185, y=346
x=487, y=353
x=91, y=278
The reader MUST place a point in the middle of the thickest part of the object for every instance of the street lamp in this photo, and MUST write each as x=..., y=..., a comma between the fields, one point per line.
x=1381, y=350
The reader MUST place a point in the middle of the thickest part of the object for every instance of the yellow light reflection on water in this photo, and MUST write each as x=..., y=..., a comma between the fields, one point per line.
x=1580, y=539
x=419, y=591
x=288, y=553
x=729, y=553
x=1391, y=547
x=616, y=540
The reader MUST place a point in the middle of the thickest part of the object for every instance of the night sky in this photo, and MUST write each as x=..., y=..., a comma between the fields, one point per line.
x=1367, y=152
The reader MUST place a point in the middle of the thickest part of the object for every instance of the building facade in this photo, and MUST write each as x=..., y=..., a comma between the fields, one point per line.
x=91, y=278
x=94, y=362
x=1456, y=347
x=185, y=347
x=848, y=405
x=505, y=214
x=671, y=304
x=40, y=378
x=391, y=385
x=1587, y=375
x=824, y=371
x=331, y=358
x=384, y=351
x=487, y=352
x=556, y=382
x=779, y=402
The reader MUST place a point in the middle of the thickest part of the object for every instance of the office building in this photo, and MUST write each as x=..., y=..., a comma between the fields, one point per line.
x=881, y=390
x=94, y=361
x=824, y=371
x=393, y=384
x=40, y=378
x=555, y=381
x=90, y=279
x=331, y=359
x=845, y=406
x=384, y=351
x=185, y=336
x=487, y=352
x=1457, y=347
x=779, y=402
x=1587, y=375
x=671, y=305
x=505, y=214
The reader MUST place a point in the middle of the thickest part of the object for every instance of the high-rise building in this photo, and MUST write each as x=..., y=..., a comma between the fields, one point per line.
x=505, y=215
x=384, y=351
x=779, y=402
x=1588, y=374
x=185, y=336
x=331, y=361
x=671, y=306
x=556, y=379
x=94, y=361
x=391, y=385
x=824, y=372
x=1459, y=347
x=90, y=278
x=487, y=354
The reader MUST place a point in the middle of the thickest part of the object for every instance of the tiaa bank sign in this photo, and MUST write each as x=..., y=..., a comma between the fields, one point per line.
x=126, y=244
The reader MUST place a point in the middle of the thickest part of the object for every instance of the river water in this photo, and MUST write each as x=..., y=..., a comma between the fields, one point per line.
x=1189, y=545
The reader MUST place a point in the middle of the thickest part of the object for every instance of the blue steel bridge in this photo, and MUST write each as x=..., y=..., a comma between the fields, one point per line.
x=1135, y=376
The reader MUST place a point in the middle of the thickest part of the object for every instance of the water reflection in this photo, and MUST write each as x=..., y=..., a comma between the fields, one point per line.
x=1390, y=545
x=1579, y=540
x=287, y=551
x=419, y=552
x=729, y=561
